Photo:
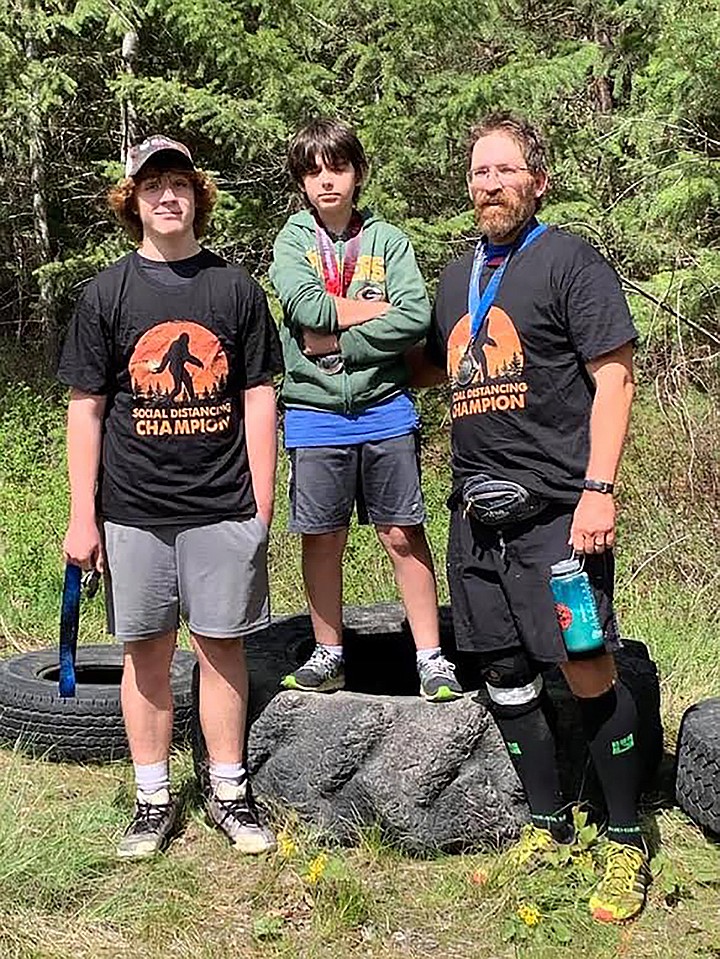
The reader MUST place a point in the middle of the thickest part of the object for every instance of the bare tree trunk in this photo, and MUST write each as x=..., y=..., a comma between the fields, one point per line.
x=128, y=117
x=603, y=88
x=46, y=309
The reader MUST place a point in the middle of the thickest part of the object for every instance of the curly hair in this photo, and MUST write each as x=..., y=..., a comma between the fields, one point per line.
x=121, y=200
x=527, y=137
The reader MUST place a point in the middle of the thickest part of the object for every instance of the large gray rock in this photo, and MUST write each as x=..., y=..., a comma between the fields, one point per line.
x=430, y=776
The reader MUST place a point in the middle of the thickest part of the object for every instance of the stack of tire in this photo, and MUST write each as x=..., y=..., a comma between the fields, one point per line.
x=87, y=728
x=698, y=764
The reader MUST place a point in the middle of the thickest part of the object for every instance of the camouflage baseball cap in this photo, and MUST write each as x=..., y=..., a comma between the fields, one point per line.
x=140, y=153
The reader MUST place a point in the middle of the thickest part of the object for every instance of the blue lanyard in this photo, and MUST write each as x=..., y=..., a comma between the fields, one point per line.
x=479, y=306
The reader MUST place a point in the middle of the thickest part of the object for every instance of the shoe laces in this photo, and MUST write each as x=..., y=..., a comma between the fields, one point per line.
x=623, y=868
x=322, y=659
x=149, y=816
x=438, y=666
x=535, y=838
x=239, y=807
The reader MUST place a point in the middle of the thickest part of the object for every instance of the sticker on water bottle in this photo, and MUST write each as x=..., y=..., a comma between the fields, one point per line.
x=564, y=615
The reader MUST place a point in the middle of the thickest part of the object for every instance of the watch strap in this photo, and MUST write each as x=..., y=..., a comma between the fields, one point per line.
x=598, y=486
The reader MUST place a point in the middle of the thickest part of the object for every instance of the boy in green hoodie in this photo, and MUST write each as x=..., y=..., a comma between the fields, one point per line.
x=353, y=301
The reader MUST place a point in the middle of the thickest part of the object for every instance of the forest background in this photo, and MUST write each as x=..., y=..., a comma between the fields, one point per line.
x=628, y=95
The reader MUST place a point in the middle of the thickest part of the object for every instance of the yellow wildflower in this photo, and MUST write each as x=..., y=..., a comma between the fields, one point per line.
x=316, y=869
x=286, y=845
x=530, y=914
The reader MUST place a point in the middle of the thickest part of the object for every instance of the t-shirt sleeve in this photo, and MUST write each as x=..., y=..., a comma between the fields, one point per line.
x=599, y=319
x=86, y=357
x=261, y=343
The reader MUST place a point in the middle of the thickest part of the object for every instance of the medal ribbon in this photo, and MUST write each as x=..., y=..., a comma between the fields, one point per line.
x=479, y=306
x=339, y=277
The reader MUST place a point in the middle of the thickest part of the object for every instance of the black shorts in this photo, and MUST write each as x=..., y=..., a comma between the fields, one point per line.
x=381, y=476
x=501, y=598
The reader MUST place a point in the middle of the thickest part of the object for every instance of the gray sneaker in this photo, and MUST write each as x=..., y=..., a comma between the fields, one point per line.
x=151, y=827
x=322, y=673
x=232, y=809
x=438, y=683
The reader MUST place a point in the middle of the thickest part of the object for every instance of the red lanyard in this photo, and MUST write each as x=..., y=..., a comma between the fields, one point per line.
x=339, y=277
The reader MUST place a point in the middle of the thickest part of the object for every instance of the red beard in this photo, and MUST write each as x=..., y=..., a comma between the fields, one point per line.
x=502, y=215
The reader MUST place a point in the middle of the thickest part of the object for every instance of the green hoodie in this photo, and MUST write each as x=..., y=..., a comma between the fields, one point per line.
x=372, y=351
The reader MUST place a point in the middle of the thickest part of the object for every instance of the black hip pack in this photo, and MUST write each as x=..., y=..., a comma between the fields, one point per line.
x=497, y=503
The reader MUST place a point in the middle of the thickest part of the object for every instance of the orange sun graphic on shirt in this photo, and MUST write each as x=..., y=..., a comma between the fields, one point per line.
x=497, y=350
x=178, y=361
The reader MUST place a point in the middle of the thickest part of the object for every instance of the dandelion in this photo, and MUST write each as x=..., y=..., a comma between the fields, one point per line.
x=316, y=869
x=530, y=914
x=286, y=845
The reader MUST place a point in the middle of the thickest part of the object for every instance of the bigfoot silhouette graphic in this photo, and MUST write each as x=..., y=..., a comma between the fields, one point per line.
x=177, y=355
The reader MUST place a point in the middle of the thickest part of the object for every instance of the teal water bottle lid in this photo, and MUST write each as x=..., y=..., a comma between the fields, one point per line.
x=566, y=566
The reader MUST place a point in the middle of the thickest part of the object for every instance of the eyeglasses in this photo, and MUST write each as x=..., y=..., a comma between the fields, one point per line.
x=503, y=173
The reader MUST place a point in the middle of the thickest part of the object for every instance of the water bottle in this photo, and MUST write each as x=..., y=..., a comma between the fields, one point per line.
x=575, y=607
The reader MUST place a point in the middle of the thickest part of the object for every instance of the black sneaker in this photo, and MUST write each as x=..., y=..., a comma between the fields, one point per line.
x=322, y=673
x=232, y=809
x=438, y=683
x=151, y=827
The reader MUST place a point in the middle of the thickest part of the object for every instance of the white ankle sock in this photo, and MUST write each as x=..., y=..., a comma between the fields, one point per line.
x=425, y=655
x=335, y=651
x=231, y=773
x=152, y=777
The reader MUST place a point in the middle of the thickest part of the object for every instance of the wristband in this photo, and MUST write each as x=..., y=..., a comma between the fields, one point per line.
x=598, y=486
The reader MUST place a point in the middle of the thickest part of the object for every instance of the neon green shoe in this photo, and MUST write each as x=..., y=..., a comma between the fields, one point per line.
x=534, y=849
x=621, y=893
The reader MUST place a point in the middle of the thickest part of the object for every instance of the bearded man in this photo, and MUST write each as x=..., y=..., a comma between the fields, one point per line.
x=535, y=337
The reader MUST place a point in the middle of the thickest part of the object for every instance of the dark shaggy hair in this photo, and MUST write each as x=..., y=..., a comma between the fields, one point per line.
x=527, y=137
x=121, y=199
x=336, y=143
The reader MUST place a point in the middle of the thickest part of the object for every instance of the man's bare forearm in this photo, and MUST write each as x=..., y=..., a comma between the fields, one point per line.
x=593, y=524
x=84, y=443
x=261, y=439
x=610, y=413
x=82, y=544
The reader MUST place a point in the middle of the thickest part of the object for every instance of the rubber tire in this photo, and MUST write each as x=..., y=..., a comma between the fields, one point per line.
x=88, y=728
x=697, y=783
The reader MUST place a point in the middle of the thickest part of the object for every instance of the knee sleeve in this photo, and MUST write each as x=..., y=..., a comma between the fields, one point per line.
x=513, y=684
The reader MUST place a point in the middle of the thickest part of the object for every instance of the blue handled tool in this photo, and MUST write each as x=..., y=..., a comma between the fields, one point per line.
x=69, y=622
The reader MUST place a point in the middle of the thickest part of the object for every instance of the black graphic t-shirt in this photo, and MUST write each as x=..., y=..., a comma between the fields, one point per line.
x=173, y=361
x=521, y=394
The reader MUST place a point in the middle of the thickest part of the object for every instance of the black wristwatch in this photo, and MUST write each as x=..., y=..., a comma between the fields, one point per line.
x=598, y=486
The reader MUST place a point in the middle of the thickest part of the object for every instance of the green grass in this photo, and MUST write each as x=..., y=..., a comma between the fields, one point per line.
x=62, y=894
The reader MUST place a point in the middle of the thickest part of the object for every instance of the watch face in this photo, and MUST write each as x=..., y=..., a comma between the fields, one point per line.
x=333, y=363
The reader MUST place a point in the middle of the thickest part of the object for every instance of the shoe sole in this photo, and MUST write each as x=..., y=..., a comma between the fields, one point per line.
x=249, y=845
x=443, y=695
x=329, y=686
x=602, y=915
x=119, y=854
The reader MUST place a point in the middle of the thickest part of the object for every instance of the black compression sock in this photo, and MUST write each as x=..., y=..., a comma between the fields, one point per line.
x=610, y=724
x=531, y=746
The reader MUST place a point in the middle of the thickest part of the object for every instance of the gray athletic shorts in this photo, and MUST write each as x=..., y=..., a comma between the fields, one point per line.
x=382, y=477
x=214, y=576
